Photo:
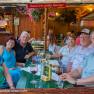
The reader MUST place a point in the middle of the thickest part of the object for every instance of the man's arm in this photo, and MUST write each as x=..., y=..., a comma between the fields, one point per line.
x=81, y=81
x=31, y=51
x=29, y=55
x=76, y=73
x=20, y=64
x=73, y=74
x=57, y=55
x=85, y=81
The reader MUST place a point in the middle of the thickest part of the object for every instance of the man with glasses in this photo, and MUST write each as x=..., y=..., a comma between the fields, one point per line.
x=81, y=51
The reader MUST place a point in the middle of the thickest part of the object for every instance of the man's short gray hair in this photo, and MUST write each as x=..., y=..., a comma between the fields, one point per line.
x=25, y=33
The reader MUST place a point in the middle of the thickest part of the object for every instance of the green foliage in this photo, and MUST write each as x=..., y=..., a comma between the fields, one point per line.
x=36, y=13
x=69, y=16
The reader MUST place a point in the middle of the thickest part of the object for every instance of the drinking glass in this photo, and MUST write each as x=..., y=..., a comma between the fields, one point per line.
x=33, y=69
x=59, y=72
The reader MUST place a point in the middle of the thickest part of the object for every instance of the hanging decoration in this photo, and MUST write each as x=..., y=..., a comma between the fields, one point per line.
x=35, y=13
x=22, y=10
x=29, y=13
x=51, y=15
x=69, y=16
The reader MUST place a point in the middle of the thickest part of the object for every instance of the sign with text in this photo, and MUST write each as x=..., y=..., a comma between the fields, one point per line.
x=52, y=5
x=46, y=1
x=63, y=1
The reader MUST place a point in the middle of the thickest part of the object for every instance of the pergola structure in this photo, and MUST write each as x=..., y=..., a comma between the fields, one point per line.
x=81, y=11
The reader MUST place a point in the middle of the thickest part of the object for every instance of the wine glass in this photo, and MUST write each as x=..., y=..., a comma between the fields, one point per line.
x=33, y=70
x=59, y=72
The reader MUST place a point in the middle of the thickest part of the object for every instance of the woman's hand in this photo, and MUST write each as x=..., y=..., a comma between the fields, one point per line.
x=12, y=87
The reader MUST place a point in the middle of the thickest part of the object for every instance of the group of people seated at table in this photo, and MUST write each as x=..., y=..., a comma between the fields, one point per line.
x=76, y=61
x=13, y=56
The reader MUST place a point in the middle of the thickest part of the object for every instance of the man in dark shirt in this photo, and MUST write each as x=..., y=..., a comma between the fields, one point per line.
x=23, y=49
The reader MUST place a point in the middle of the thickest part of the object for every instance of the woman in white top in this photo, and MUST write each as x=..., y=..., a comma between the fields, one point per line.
x=66, y=52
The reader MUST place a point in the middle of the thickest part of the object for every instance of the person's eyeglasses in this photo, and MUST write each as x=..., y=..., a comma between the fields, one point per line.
x=83, y=36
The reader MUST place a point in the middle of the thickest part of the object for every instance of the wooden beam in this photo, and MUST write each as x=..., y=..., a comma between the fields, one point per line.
x=45, y=29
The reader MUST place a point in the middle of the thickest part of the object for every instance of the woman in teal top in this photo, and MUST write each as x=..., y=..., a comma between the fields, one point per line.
x=8, y=55
x=4, y=75
x=9, y=58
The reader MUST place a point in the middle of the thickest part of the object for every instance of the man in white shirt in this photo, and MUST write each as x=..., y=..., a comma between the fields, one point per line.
x=81, y=51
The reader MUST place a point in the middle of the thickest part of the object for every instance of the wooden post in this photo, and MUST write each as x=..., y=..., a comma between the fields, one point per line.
x=16, y=30
x=45, y=30
x=13, y=27
x=34, y=29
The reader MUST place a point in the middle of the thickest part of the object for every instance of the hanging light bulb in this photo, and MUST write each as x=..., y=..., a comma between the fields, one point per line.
x=57, y=14
x=90, y=9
